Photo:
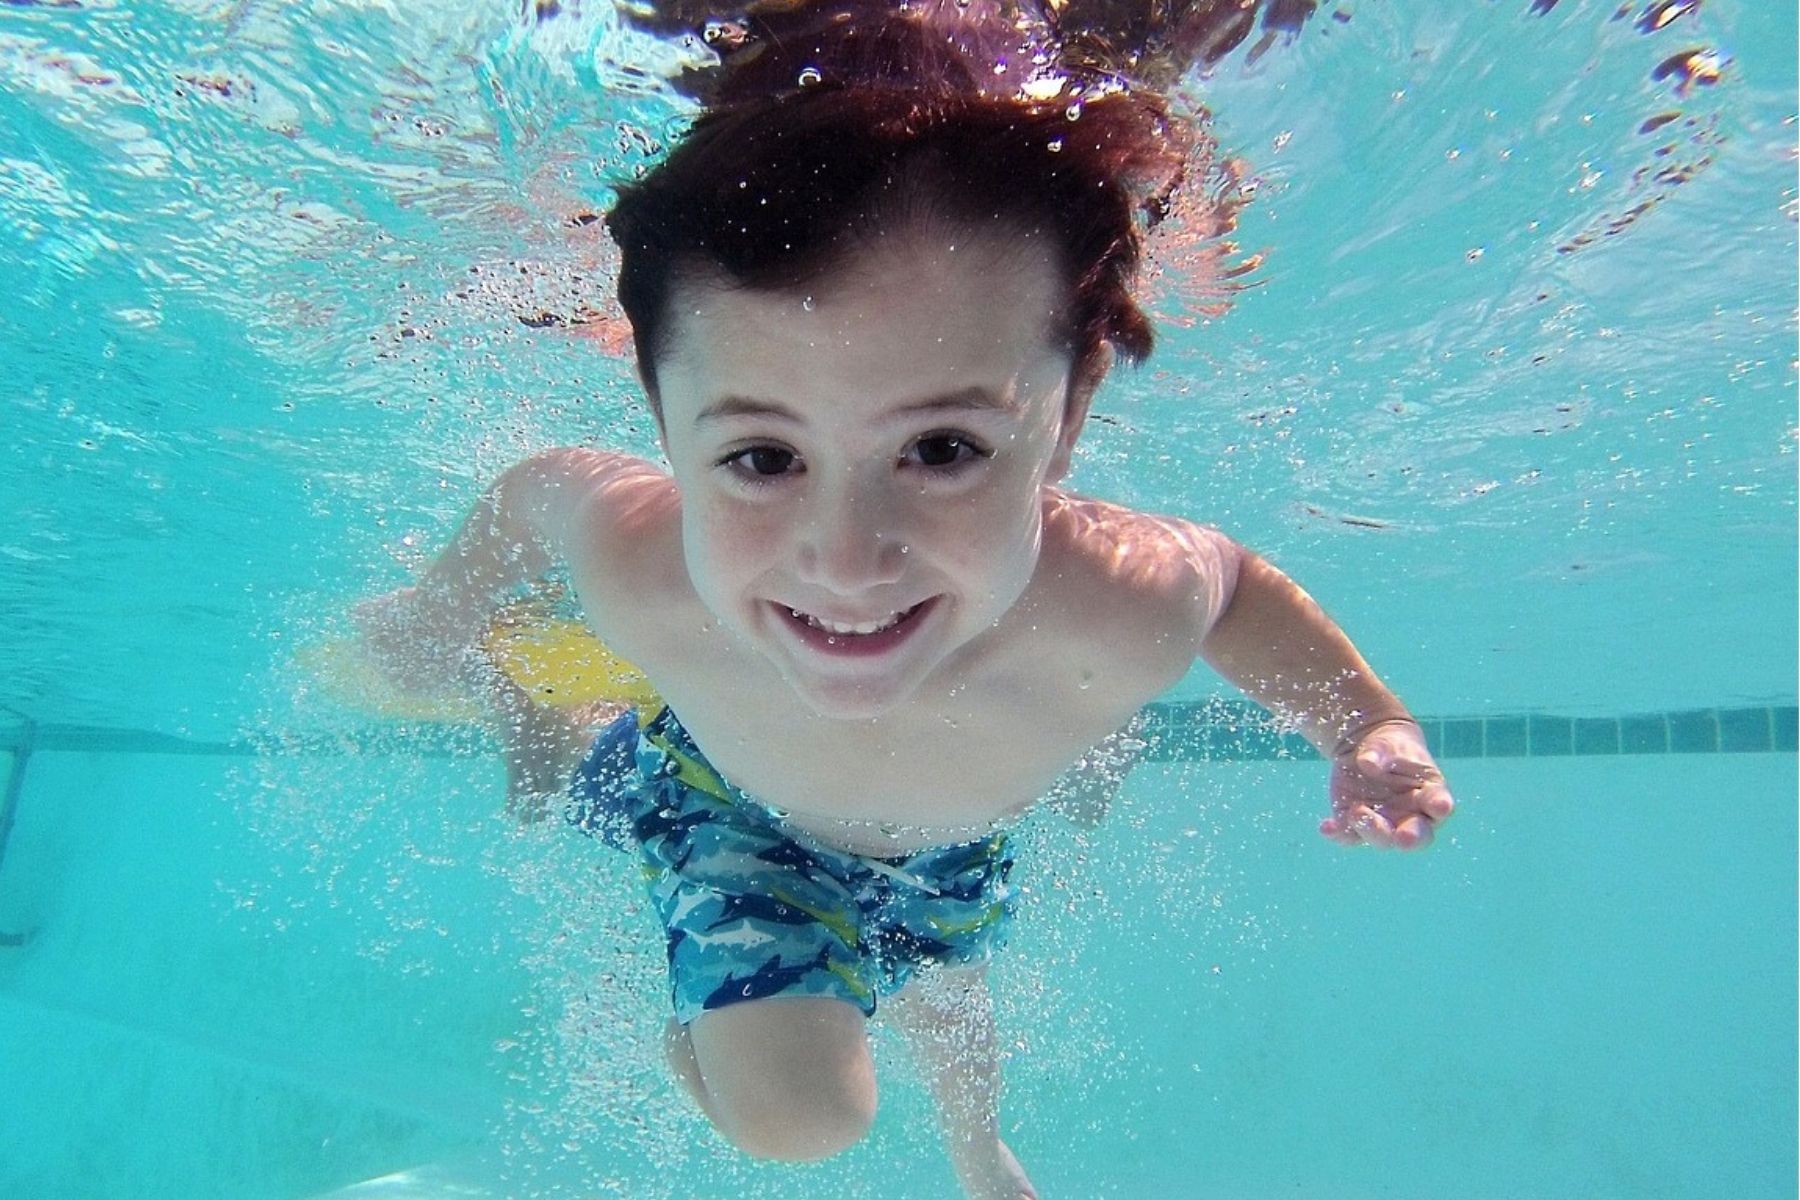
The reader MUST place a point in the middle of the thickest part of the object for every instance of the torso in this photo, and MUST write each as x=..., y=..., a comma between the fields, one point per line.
x=1095, y=637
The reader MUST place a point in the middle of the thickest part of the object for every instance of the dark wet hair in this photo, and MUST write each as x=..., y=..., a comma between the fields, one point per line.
x=827, y=120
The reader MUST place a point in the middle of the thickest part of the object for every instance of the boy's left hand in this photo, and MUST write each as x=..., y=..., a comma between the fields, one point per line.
x=1386, y=790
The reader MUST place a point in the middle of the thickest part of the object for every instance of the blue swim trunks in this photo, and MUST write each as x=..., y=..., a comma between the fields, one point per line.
x=755, y=908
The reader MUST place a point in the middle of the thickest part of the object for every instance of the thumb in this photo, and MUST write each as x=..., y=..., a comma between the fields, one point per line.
x=1372, y=761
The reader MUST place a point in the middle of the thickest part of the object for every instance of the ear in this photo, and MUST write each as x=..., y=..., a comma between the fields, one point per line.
x=1084, y=380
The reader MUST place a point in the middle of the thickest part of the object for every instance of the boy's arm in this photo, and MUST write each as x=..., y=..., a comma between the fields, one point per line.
x=1274, y=642
x=427, y=637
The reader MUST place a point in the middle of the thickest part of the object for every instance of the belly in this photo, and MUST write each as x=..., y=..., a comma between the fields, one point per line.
x=869, y=800
x=893, y=838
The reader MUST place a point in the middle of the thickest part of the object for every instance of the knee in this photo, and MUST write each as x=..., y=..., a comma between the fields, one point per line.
x=787, y=1078
x=800, y=1127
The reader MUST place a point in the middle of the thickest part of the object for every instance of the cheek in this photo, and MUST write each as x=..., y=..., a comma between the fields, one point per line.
x=986, y=532
x=730, y=541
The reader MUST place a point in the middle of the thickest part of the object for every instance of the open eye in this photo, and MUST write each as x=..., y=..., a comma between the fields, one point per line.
x=761, y=462
x=947, y=450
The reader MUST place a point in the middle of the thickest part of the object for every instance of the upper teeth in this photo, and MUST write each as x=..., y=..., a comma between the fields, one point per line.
x=886, y=622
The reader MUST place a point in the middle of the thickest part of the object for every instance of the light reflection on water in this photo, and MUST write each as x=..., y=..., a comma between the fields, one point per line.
x=286, y=284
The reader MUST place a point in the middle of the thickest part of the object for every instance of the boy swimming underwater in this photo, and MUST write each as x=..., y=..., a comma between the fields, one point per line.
x=870, y=321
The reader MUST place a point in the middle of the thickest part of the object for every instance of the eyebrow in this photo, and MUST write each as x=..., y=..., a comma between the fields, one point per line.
x=970, y=399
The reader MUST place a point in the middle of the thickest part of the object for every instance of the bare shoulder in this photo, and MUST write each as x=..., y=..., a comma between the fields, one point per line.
x=1169, y=572
x=579, y=496
x=615, y=519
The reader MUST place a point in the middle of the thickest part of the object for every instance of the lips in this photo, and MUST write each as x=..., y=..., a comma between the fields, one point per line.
x=853, y=639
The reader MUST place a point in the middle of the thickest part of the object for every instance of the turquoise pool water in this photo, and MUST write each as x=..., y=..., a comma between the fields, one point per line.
x=1512, y=394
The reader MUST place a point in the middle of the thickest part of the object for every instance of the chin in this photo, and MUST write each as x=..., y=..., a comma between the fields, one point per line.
x=845, y=701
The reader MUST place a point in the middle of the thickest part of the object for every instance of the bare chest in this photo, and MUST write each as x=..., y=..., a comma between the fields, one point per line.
x=966, y=755
x=945, y=770
x=972, y=748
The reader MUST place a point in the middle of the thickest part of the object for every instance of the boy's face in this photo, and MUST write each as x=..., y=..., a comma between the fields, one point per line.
x=861, y=469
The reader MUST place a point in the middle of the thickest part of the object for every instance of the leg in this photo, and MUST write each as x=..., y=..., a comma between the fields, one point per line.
x=947, y=1017
x=541, y=745
x=782, y=1078
x=767, y=964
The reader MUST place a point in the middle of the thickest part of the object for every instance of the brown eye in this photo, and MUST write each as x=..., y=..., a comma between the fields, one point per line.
x=761, y=462
x=769, y=460
x=942, y=450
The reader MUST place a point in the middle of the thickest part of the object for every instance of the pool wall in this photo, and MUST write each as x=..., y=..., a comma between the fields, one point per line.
x=1213, y=1000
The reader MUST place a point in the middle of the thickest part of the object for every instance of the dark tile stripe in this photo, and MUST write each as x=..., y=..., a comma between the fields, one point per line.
x=1596, y=735
x=1694, y=732
x=1786, y=729
x=1746, y=730
x=1644, y=735
x=1214, y=730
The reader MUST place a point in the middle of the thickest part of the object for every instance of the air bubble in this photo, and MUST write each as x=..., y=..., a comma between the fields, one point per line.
x=809, y=76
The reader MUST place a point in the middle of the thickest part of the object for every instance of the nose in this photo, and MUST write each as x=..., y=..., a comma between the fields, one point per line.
x=851, y=541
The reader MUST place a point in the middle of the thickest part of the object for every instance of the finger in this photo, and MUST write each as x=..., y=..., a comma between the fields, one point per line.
x=1435, y=802
x=1413, y=833
x=1375, y=829
x=1372, y=761
x=1412, y=769
x=1345, y=826
x=1358, y=825
x=1383, y=766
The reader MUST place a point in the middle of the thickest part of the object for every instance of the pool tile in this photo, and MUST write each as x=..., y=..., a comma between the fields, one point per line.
x=1596, y=735
x=1156, y=714
x=1154, y=726
x=1189, y=743
x=1549, y=736
x=1744, y=730
x=1258, y=739
x=1156, y=744
x=1463, y=739
x=1506, y=737
x=1787, y=727
x=1694, y=732
x=1644, y=735
x=1178, y=713
x=1296, y=747
x=1220, y=729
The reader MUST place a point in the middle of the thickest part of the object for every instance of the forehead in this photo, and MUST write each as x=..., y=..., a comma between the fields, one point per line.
x=912, y=309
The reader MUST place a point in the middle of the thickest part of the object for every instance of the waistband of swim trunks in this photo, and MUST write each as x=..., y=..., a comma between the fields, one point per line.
x=664, y=730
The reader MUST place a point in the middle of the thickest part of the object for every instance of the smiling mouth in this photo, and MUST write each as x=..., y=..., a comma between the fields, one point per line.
x=859, y=630
x=862, y=637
